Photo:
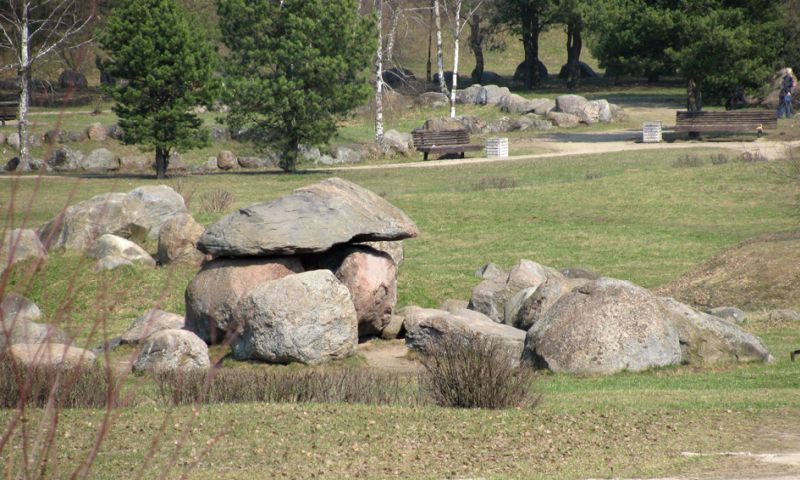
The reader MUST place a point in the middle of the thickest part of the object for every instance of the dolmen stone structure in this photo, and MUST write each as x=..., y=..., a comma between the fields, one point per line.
x=569, y=322
x=294, y=280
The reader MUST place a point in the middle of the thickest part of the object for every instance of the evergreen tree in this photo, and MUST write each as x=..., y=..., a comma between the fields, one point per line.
x=527, y=18
x=295, y=68
x=162, y=70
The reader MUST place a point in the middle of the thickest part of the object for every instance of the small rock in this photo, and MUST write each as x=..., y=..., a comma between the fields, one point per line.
x=97, y=132
x=172, y=350
x=226, y=160
x=113, y=246
x=177, y=240
x=784, y=315
x=732, y=314
x=111, y=263
x=394, y=329
x=51, y=355
x=151, y=322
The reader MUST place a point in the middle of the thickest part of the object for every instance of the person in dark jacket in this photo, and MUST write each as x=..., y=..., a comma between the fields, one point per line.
x=785, y=100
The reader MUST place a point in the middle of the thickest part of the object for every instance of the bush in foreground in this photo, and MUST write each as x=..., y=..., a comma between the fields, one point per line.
x=475, y=372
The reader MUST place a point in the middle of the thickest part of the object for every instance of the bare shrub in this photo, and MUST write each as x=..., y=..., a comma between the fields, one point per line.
x=76, y=387
x=216, y=201
x=287, y=385
x=688, y=161
x=475, y=372
x=752, y=156
x=184, y=188
x=493, y=183
x=719, y=159
x=593, y=176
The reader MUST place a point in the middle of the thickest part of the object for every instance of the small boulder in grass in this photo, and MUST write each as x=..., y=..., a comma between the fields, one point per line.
x=113, y=246
x=151, y=322
x=172, y=350
x=732, y=314
x=785, y=315
x=51, y=355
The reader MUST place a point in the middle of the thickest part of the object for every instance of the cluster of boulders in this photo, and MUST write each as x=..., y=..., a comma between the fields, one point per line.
x=294, y=280
x=576, y=321
x=566, y=111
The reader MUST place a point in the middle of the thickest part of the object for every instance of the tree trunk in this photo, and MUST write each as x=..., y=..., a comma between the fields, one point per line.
x=476, y=45
x=456, y=35
x=162, y=162
x=439, y=52
x=694, y=95
x=379, y=76
x=388, y=56
x=430, y=44
x=24, y=74
x=530, y=43
x=574, y=46
x=288, y=162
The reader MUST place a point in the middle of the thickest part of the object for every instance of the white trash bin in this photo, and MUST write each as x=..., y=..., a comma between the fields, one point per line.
x=497, y=147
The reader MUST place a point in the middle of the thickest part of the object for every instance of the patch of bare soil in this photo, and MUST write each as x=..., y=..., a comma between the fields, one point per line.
x=390, y=355
x=763, y=272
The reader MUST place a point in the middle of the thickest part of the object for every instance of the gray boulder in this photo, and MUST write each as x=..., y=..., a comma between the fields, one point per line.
x=707, y=340
x=80, y=224
x=442, y=124
x=544, y=107
x=226, y=160
x=588, y=112
x=469, y=95
x=618, y=114
x=492, y=295
x=212, y=296
x=109, y=245
x=308, y=317
x=604, y=114
x=259, y=162
x=532, y=121
x=172, y=350
x=311, y=219
x=491, y=95
x=65, y=159
x=394, y=329
x=432, y=100
x=397, y=143
x=502, y=125
x=605, y=326
x=371, y=277
x=514, y=103
x=219, y=133
x=101, y=159
x=784, y=315
x=111, y=262
x=491, y=270
x=347, y=155
x=18, y=325
x=135, y=162
x=563, y=120
x=580, y=272
x=161, y=203
x=426, y=326
x=451, y=305
x=574, y=104
x=13, y=140
x=525, y=308
x=177, y=240
x=19, y=245
x=51, y=355
x=471, y=123
x=97, y=132
x=152, y=321
x=732, y=314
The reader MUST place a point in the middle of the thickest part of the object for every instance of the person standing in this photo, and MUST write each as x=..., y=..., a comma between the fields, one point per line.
x=785, y=100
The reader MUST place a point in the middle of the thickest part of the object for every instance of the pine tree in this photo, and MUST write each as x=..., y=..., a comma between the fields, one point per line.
x=162, y=70
x=295, y=68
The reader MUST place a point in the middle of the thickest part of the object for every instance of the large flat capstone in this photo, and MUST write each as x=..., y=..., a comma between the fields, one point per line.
x=310, y=219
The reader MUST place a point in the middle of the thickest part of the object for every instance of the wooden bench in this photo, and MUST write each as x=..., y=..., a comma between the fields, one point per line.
x=754, y=121
x=8, y=110
x=442, y=142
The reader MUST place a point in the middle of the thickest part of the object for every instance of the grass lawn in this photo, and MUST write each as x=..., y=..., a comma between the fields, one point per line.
x=634, y=216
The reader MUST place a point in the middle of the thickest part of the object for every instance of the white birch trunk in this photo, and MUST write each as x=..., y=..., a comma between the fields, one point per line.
x=388, y=56
x=439, y=52
x=457, y=35
x=24, y=85
x=379, y=77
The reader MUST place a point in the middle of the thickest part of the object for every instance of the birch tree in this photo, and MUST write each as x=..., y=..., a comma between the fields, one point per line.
x=439, y=52
x=31, y=30
x=458, y=24
x=379, y=74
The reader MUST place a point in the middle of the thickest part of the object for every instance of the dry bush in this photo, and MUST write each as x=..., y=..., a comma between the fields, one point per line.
x=752, y=157
x=719, y=159
x=216, y=201
x=688, y=161
x=475, y=372
x=184, y=188
x=593, y=176
x=75, y=387
x=288, y=385
x=493, y=183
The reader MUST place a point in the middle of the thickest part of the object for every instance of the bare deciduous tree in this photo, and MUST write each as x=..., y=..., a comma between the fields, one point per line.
x=31, y=30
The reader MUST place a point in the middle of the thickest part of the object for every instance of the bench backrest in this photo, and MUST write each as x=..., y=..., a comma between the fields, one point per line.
x=9, y=109
x=733, y=118
x=429, y=138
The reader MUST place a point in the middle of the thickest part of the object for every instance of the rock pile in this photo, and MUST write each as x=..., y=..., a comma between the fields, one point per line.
x=575, y=321
x=293, y=280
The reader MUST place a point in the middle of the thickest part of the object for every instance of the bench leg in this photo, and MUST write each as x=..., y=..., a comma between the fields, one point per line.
x=462, y=154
